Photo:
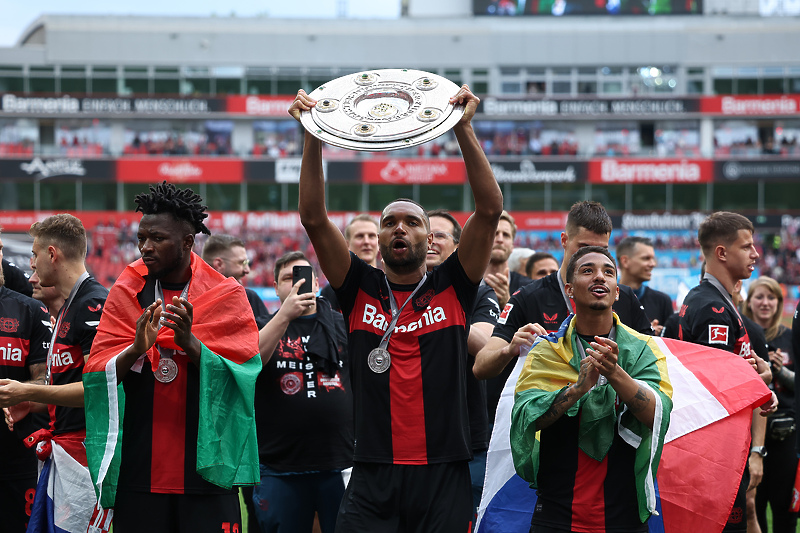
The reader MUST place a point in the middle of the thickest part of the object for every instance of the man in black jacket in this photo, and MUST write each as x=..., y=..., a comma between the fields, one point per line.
x=636, y=259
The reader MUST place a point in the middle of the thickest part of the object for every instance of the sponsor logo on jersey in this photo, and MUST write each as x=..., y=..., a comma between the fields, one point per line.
x=717, y=334
x=683, y=310
x=9, y=325
x=718, y=311
x=291, y=383
x=504, y=315
x=95, y=308
x=551, y=319
x=13, y=351
x=379, y=321
x=65, y=358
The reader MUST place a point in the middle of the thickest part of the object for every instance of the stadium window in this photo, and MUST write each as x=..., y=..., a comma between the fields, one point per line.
x=587, y=87
x=263, y=196
x=774, y=85
x=228, y=86
x=510, y=71
x=100, y=196
x=57, y=195
x=480, y=87
x=15, y=84
x=167, y=70
x=562, y=87
x=42, y=85
x=535, y=71
x=511, y=87
x=794, y=85
x=611, y=196
x=166, y=86
x=526, y=197
x=563, y=195
x=136, y=86
x=648, y=197
x=536, y=87
x=747, y=86
x=289, y=86
x=781, y=195
x=16, y=195
x=587, y=70
x=73, y=85
x=345, y=196
x=612, y=87
x=223, y=196
x=723, y=86
x=379, y=197
x=256, y=86
x=104, y=86
x=194, y=86
x=695, y=70
x=694, y=87
x=292, y=196
x=689, y=197
x=561, y=71
x=736, y=196
x=480, y=72
x=449, y=197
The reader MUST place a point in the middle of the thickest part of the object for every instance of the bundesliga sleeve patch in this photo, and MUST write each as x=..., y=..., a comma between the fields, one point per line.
x=717, y=334
x=504, y=315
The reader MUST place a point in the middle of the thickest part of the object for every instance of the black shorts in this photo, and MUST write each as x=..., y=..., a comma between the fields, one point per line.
x=737, y=520
x=384, y=498
x=135, y=512
x=16, y=498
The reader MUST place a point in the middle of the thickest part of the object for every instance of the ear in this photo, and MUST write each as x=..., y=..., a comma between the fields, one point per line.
x=188, y=241
x=721, y=253
x=217, y=263
x=564, y=239
x=623, y=262
x=53, y=252
x=616, y=298
x=430, y=239
x=568, y=288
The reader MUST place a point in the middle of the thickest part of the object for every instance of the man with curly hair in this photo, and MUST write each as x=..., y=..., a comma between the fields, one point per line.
x=181, y=342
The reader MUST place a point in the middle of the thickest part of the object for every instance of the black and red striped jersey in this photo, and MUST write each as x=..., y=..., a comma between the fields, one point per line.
x=24, y=337
x=578, y=493
x=161, y=421
x=416, y=411
x=76, y=330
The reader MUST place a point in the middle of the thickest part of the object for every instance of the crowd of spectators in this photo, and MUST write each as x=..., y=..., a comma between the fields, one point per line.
x=177, y=144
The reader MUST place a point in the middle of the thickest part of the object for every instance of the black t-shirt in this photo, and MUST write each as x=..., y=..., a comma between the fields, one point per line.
x=670, y=330
x=257, y=305
x=783, y=341
x=24, y=338
x=486, y=310
x=657, y=305
x=304, y=416
x=16, y=280
x=516, y=281
x=76, y=331
x=329, y=294
x=416, y=411
x=542, y=302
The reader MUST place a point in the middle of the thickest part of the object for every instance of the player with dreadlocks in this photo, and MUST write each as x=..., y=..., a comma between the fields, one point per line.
x=181, y=342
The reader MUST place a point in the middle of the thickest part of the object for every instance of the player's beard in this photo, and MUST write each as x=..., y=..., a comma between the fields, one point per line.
x=169, y=269
x=413, y=260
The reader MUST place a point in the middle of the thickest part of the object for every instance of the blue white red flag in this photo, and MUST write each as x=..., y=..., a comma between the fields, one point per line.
x=714, y=394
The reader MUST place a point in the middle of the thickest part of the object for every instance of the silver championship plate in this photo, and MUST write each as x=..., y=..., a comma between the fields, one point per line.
x=380, y=110
x=379, y=360
x=167, y=370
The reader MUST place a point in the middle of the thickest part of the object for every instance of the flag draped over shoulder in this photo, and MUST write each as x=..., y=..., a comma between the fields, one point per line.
x=702, y=461
x=553, y=363
x=227, y=451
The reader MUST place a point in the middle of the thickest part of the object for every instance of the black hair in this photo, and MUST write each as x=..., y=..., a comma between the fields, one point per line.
x=445, y=214
x=626, y=245
x=573, y=261
x=183, y=204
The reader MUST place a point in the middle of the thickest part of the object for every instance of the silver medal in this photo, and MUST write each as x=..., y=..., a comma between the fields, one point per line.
x=167, y=370
x=379, y=360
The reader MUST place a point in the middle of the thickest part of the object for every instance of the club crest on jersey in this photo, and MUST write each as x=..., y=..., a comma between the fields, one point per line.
x=717, y=334
x=96, y=308
x=504, y=315
x=63, y=330
x=9, y=325
x=291, y=383
x=425, y=299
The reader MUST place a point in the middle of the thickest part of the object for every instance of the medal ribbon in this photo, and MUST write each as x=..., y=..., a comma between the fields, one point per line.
x=395, y=312
x=60, y=316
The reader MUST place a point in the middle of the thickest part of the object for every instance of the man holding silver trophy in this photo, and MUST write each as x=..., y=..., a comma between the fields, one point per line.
x=407, y=329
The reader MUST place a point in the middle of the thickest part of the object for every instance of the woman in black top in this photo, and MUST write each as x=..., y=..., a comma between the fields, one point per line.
x=764, y=305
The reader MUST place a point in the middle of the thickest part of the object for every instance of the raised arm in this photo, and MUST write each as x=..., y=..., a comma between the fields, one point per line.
x=328, y=241
x=475, y=247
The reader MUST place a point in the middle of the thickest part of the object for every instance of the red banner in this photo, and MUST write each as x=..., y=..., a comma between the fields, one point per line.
x=755, y=105
x=414, y=171
x=179, y=170
x=611, y=171
x=260, y=106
